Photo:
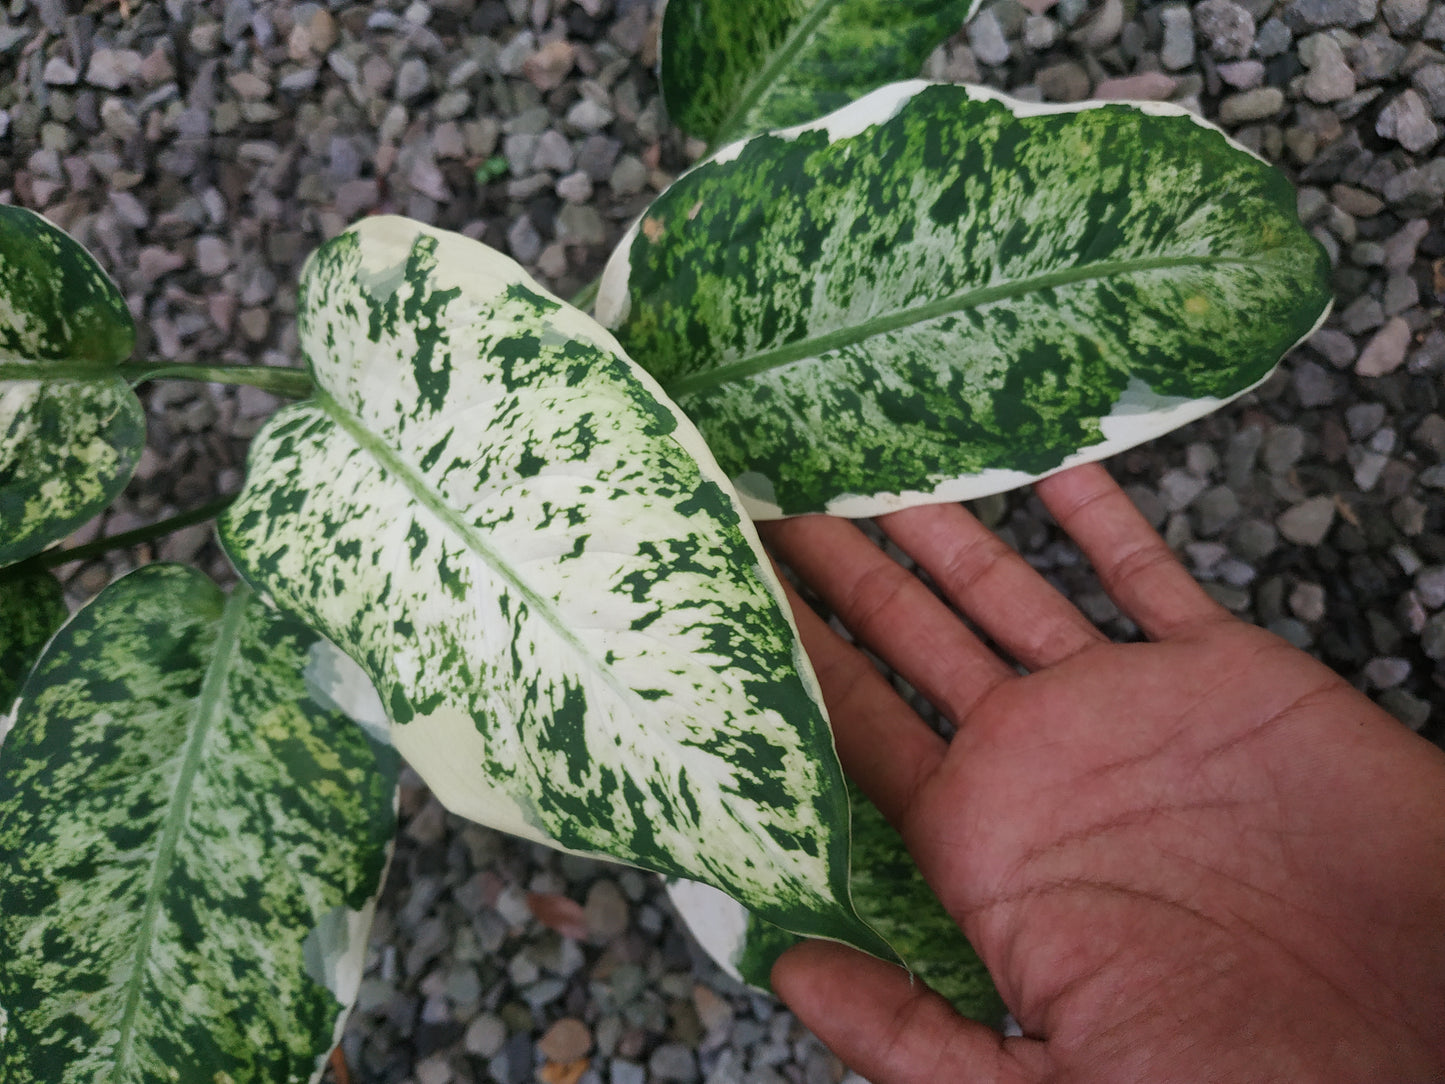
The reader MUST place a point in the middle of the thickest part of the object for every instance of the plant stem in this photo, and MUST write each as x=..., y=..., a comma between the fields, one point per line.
x=126, y=539
x=290, y=383
x=584, y=298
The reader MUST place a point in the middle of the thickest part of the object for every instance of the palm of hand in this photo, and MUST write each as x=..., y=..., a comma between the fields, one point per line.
x=1204, y=857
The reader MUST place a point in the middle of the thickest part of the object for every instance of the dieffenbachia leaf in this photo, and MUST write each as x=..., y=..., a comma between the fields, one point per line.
x=32, y=607
x=71, y=430
x=890, y=894
x=939, y=293
x=572, y=624
x=733, y=68
x=191, y=845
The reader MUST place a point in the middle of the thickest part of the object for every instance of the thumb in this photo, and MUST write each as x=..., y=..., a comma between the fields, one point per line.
x=889, y=1027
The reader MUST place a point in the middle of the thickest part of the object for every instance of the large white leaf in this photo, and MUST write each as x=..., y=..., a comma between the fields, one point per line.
x=531, y=553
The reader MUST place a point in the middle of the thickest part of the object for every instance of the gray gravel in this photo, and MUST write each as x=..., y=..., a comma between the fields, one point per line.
x=202, y=149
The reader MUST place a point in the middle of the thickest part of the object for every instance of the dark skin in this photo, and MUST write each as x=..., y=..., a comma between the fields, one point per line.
x=1201, y=858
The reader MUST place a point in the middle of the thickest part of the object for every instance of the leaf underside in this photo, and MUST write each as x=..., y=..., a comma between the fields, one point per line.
x=191, y=846
x=733, y=68
x=938, y=293
x=571, y=625
x=71, y=431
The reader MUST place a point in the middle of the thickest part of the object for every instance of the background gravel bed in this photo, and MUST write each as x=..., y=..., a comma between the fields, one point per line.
x=202, y=149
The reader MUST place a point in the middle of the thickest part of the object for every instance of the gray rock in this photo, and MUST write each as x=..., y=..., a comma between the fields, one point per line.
x=1330, y=78
x=673, y=1061
x=1282, y=448
x=1407, y=707
x=1242, y=74
x=1214, y=510
x=1429, y=80
x=1227, y=28
x=576, y=187
x=1177, y=50
x=1307, y=601
x=1251, y=105
x=1377, y=58
x=596, y=157
x=1040, y=32
x=1307, y=523
x=1404, y=16
x=1401, y=293
x=413, y=79
x=1406, y=120
x=1316, y=14
x=1385, y=352
x=1430, y=586
x=1334, y=346
x=1432, y=637
x=554, y=152
x=523, y=240
x=629, y=176
x=986, y=38
x=1179, y=488
x=1363, y=419
x=589, y=116
x=1066, y=81
x=1273, y=39
x=113, y=68
x=1254, y=539
x=1417, y=191
x=625, y=1072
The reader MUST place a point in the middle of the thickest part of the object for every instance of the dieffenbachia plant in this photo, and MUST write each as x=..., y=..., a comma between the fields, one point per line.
x=530, y=551
x=937, y=293
x=192, y=839
x=71, y=429
x=889, y=892
x=729, y=70
x=519, y=536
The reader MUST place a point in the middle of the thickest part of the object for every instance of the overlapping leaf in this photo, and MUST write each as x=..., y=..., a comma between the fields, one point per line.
x=733, y=68
x=71, y=430
x=938, y=293
x=890, y=894
x=32, y=607
x=190, y=845
x=573, y=628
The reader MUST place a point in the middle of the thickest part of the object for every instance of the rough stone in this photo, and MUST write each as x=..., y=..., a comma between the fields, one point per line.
x=1227, y=28
x=1406, y=120
x=1251, y=105
x=1177, y=50
x=986, y=38
x=1330, y=78
x=1308, y=522
x=1385, y=352
x=1317, y=14
x=567, y=1040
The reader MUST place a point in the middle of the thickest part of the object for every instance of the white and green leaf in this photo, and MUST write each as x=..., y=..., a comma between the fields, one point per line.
x=71, y=430
x=733, y=68
x=32, y=607
x=890, y=894
x=531, y=553
x=191, y=846
x=939, y=293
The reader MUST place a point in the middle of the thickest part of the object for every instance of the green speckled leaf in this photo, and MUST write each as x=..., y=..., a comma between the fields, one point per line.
x=32, y=607
x=890, y=894
x=732, y=68
x=939, y=293
x=572, y=625
x=71, y=430
x=190, y=845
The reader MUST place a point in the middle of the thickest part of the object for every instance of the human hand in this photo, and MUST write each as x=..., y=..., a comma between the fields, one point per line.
x=1205, y=857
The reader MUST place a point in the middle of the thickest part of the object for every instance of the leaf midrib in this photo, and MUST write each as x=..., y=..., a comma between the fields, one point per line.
x=208, y=709
x=763, y=79
x=817, y=345
x=415, y=482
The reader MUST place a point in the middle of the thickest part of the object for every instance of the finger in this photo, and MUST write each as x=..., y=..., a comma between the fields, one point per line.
x=1136, y=567
x=991, y=583
x=889, y=1028
x=883, y=744
x=889, y=610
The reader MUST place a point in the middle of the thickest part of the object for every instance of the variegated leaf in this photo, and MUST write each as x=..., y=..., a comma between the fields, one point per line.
x=733, y=68
x=939, y=293
x=890, y=894
x=190, y=845
x=32, y=607
x=71, y=430
x=571, y=623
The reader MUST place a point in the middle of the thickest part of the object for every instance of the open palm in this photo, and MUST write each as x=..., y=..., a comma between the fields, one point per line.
x=1204, y=857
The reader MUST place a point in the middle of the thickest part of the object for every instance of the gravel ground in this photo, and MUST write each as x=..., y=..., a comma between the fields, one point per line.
x=202, y=149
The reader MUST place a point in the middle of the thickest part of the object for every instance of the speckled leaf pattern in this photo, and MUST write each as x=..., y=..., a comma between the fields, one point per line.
x=733, y=68
x=890, y=894
x=32, y=607
x=71, y=430
x=940, y=293
x=572, y=625
x=190, y=846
